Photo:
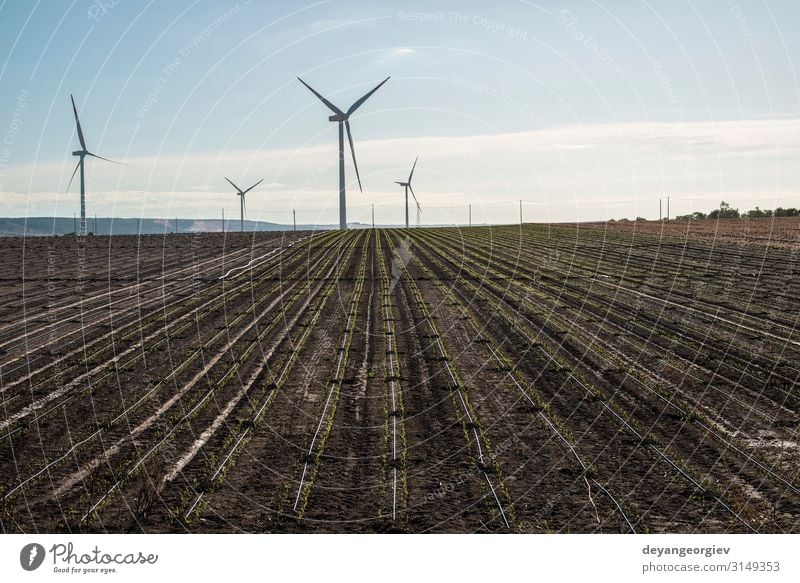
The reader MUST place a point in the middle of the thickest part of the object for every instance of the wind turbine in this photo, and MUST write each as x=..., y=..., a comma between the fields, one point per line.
x=407, y=186
x=83, y=152
x=343, y=119
x=242, y=205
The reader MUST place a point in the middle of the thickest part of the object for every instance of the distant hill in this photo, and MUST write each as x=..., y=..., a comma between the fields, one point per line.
x=42, y=226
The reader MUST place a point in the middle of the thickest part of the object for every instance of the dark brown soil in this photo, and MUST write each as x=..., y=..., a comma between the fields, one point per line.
x=616, y=377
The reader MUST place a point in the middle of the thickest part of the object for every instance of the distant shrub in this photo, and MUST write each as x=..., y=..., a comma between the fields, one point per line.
x=757, y=213
x=724, y=212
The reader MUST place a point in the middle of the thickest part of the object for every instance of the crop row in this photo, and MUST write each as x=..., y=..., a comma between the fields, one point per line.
x=528, y=393
x=200, y=414
x=103, y=430
x=495, y=297
x=667, y=398
x=472, y=429
x=163, y=303
x=394, y=425
x=659, y=335
x=101, y=303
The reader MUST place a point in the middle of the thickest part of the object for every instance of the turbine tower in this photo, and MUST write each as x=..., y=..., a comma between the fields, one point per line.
x=242, y=205
x=82, y=153
x=407, y=186
x=343, y=119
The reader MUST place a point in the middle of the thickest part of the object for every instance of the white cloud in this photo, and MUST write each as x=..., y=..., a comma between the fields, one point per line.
x=588, y=167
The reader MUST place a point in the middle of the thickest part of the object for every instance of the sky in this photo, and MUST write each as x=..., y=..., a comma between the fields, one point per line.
x=583, y=110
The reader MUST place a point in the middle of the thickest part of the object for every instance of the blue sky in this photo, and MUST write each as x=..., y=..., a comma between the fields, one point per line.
x=585, y=110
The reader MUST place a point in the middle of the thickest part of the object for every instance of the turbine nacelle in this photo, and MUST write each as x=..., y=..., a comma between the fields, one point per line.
x=342, y=118
x=407, y=187
x=241, y=194
x=82, y=153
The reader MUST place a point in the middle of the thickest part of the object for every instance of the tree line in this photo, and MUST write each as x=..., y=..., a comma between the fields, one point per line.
x=725, y=211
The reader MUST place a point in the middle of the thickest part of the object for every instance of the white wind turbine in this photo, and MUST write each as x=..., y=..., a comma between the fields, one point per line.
x=407, y=186
x=343, y=119
x=242, y=205
x=83, y=152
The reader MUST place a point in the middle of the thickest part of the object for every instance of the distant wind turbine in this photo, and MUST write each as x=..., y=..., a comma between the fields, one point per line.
x=407, y=186
x=83, y=152
x=241, y=193
x=343, y=119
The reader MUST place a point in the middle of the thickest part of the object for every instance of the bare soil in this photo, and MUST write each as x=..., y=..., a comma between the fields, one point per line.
x=614, y=377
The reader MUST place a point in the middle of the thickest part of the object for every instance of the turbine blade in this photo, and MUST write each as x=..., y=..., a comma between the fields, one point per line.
x=252, y=187
x=353, y=151
x=413, y=195
x=358, y=103
x=330, y=105
x=400, y=183
x=244, y=203
x=73, y=174
x=78, y=123
x=412, y=169
x=106, y=159
x=239, y=190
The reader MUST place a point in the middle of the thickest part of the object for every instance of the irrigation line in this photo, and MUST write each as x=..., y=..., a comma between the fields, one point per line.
x=156, y=319
x=105, y=295
x=187, y=415
x=534, y=405
x=136, y=321
x=393, y=373
x=675, y=406
x=643, y=441
x=253, y=262
x=67, y=484
x=53, y=395
x=335, y=384
x=620, y=288
x=456, y=386
x=278, y=383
